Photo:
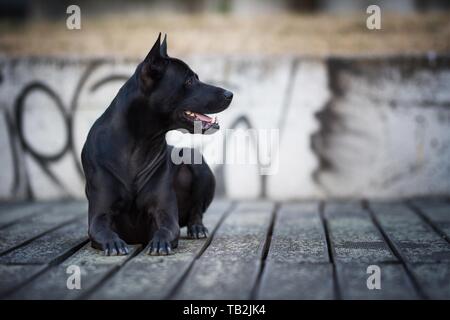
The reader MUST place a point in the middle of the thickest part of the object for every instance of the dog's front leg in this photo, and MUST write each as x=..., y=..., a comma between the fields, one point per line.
x=195, y=227
x=101, y=232
x=167, y=231
x=103, y=238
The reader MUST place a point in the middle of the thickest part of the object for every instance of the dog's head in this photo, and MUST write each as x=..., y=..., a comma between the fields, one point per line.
x=176, y=93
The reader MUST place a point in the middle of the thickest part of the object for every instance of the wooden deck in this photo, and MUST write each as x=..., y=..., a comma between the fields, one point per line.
x=256, y=250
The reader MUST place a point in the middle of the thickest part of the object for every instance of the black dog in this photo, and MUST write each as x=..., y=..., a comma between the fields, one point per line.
x=136, y=193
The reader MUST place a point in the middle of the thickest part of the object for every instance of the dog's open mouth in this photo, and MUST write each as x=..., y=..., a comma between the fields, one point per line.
x=207, y=122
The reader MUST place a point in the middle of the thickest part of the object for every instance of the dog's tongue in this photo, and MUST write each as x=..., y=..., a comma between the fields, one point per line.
x=203, y=117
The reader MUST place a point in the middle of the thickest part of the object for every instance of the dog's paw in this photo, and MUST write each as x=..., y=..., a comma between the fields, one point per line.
x=197, y=231
x=114, y=247
x=160, y=245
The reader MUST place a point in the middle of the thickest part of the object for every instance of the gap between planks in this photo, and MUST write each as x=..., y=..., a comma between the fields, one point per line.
x=110, y=273
x=205, y=246
x=31, y=210
x=46, y=267
x=366, y=205
x=419, y=211
x=40, y=235
x=330, y=249
x=265, y=251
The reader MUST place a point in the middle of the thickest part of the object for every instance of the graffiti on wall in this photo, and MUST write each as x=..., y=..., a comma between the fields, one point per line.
x=71, y=127
x=21, y=145
x=336, y=118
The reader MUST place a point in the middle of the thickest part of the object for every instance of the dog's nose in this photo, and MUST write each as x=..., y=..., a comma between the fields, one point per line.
x=228, y=94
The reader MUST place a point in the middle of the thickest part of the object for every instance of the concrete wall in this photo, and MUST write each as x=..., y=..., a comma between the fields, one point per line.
x=348, y=127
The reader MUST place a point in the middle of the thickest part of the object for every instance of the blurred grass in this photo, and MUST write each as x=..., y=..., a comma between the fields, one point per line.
x=131, y=35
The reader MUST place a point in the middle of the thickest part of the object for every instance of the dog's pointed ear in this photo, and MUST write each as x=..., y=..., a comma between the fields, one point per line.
x=154, y=64
x=154, y=52
x=163, y=49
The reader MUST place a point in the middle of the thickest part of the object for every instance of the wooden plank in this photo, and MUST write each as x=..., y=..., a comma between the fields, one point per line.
x=414, y=239
x=437, y=214
x=431, y=202
x=220, y=279
x=353, y=235
x=297, y=265
x=254, y=205
x=50, y=247
x=229, y=267
x=298, y=235
x=28, y=228
x=10, y=215
x=8, y=205
x=154, y=277
x=394, y=281
x=12, y=275
x=357, y=243
x=52, y=284
x=434, y=279
x=296, y=281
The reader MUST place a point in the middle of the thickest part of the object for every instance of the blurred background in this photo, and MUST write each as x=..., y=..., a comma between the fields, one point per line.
x=360, y=113
x=315, y=27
